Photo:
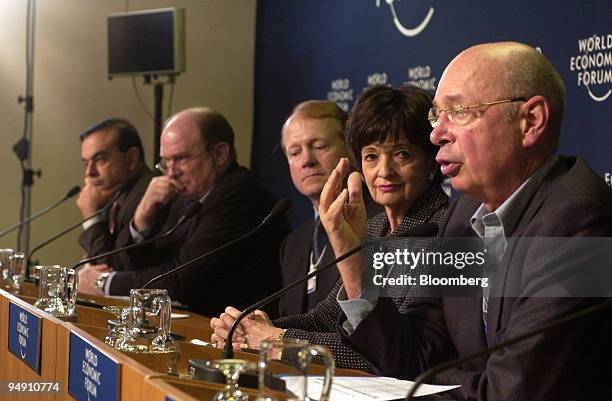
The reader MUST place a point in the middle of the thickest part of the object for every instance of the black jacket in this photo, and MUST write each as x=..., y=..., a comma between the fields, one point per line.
x=238, y=275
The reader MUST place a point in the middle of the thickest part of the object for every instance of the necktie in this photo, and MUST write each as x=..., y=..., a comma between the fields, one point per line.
x=113, y=217
x=319, y=239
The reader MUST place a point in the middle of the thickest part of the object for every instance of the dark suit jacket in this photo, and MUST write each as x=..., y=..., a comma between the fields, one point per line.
x=98, y=238
x=238, y=275
x=569, y=363
x=295, y=262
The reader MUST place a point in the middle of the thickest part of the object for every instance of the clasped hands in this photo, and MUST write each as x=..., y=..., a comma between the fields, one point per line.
x=251, y=331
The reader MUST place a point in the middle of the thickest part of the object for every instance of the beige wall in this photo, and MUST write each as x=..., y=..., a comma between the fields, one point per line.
x=71, y=92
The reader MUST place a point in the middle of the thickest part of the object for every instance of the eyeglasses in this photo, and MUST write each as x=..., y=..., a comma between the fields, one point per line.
x=177, y=162
x=462, y=115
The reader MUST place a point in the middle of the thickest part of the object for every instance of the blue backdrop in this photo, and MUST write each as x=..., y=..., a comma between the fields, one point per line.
x=333, y=49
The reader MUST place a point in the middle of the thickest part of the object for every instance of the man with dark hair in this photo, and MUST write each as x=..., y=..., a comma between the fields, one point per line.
x=496, y=118
x=198, y=159
x=113, y=160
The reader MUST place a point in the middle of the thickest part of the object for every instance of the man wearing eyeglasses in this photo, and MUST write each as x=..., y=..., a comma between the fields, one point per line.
x=199, y=163
x=497, y=118
x=113, y=160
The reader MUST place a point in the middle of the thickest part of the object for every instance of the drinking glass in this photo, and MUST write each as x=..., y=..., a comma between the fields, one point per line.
x=232, y=369
x=17, y=269
x=57, y=292
x=118, y=327
x=35, y=274
x=293, y=359
x=5, y=266
x=148, y=338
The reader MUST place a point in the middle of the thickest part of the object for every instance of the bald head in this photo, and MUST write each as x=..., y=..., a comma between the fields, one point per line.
x=520, y=71
x=196, y=146
x=500, y=107
x=212, y=126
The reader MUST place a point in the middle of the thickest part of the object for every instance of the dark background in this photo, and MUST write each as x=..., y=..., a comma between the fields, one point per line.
x=302, y=46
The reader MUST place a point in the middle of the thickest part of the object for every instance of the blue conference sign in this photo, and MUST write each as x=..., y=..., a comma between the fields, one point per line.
x=24, y=336
x=91, y=374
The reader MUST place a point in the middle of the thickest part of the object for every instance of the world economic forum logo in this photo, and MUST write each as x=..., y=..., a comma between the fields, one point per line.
x=593, y=65
x=404, y=30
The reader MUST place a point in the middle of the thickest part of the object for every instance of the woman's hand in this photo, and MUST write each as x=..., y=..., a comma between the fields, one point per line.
x=343, y=215
x=251, y=331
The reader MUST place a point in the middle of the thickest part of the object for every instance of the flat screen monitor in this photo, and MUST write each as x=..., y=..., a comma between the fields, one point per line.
x=150, y=42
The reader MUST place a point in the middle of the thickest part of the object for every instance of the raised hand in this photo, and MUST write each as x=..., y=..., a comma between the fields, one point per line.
x=93, y=198
x=344, y=217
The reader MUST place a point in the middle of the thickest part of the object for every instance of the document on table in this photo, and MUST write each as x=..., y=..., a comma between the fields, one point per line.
x=349, y=388
x=175, y=315
x=118, y=297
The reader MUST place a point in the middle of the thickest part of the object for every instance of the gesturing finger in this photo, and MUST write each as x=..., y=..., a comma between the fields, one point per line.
x=354, y=188
x=333, y=186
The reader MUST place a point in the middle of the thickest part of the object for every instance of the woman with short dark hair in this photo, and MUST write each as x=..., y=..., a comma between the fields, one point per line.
x=389, y=133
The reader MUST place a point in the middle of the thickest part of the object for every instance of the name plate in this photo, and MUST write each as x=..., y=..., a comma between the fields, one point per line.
x=91, y=374
x=24, y=336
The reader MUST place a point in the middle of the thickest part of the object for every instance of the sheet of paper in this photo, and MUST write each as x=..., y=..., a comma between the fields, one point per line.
x=120, y=297
x=200, y=342
x=363, y=388
x=179, y=315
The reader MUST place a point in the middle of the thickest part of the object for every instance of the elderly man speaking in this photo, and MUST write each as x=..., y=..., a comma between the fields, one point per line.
x=497, y=119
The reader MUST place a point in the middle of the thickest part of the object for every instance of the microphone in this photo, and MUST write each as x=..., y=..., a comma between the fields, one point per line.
x=192, y=211
x=281, y=207
x=424, y=230
x=428, y=374
x=278, y=210
x=73, y=191
x=72, y=227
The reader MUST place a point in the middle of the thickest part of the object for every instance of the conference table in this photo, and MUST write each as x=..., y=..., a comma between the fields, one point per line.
x=44, y=358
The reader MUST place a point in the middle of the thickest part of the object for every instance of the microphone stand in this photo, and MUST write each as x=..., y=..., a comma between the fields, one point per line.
x=228, y=352
x=190, y=212
x=23, y=147
x=36, y=215
x=70, y=228
x=424, y=230
x=278, y=210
